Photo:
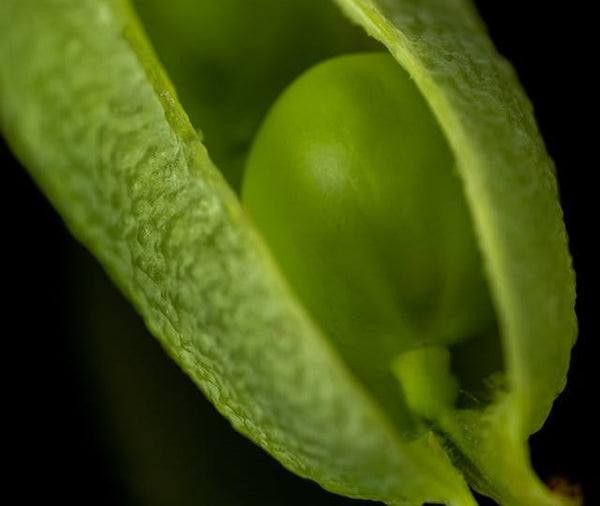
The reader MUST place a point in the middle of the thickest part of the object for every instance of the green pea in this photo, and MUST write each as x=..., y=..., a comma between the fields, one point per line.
x=353, y=186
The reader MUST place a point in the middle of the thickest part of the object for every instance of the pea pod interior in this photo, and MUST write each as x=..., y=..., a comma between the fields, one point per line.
x=353, y=185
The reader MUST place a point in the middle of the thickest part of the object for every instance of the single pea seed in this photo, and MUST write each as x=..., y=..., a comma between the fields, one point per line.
x=352, y=184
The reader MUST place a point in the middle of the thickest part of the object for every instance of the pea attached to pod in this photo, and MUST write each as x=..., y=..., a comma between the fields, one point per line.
x=353, y=186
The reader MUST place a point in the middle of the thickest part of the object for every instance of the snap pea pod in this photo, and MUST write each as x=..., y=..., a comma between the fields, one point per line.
x=90, y=112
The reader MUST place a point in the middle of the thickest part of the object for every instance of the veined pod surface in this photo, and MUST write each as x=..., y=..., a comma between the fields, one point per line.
x=102, y=133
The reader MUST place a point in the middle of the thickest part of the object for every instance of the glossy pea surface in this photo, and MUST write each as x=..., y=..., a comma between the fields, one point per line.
x=353, y=186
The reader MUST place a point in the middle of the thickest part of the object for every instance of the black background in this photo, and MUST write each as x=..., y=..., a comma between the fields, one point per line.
x=51, y=447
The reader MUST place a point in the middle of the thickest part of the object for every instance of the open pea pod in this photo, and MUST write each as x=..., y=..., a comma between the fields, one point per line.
x=88, y=109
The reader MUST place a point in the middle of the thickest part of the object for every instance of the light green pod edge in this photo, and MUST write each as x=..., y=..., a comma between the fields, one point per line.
x=89, y=111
